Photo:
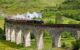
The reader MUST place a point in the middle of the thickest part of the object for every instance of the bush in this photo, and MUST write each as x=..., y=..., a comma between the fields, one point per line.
x=76, y=45
x=2, y=35
x=63, y=45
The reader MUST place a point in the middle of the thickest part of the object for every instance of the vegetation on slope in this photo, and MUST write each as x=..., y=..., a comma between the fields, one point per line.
x=21, y=6
x=70, y=9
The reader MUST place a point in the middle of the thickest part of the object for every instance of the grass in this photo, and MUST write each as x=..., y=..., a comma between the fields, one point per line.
x=1, y=22
x=7, y=45
x=19, y=6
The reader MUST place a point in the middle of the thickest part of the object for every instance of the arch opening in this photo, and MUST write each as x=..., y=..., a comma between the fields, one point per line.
x=66, y=39
x=47, y=41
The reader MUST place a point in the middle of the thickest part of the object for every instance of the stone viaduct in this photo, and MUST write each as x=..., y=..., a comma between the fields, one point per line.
x=18, y=31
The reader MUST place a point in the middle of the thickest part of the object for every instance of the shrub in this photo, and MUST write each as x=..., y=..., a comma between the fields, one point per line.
x=76, y=45
x=2, y=35
x=63, y=45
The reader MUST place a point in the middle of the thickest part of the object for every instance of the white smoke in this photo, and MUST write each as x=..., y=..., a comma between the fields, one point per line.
x=27, y=16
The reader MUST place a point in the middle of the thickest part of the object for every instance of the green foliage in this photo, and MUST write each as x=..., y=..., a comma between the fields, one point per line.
x=66, y=35
x=70, y=4
x=2, y=35
x=48, y=11
x=66, y=40
x=64, y=45
x=22, y=6
x=46, y=34
x=70, y=9
x=76, y=45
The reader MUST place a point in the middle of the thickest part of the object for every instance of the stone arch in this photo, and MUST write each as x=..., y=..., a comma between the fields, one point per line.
x=47, y=38
x=55, y=34
x=26, y=35
x=38, y=34
x=72, y=31
x=18, y=35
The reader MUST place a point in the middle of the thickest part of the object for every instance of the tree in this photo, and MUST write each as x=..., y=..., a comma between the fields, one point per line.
x=70, y=9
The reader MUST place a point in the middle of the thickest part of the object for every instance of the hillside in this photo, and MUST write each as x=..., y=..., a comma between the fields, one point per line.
x=70, y=9
x=22, y=6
